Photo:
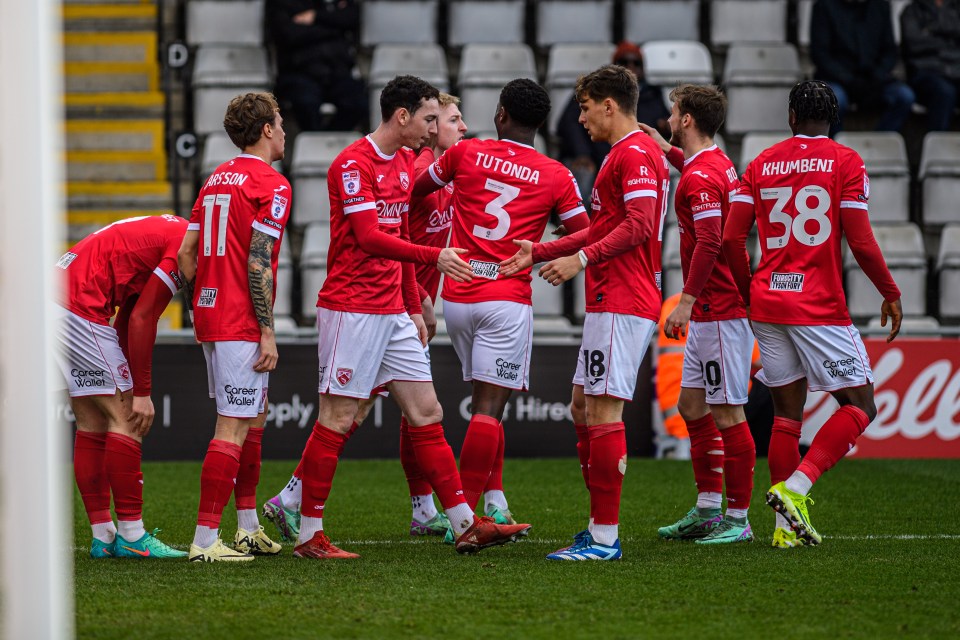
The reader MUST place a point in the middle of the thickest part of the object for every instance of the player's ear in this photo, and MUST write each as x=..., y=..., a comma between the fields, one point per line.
x=403, y=116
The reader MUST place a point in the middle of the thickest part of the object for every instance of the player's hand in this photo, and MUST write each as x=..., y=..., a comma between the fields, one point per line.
x=429, y=317
x=268, y=352
x=522, y=259
x=558, y=271
x=452, y=265
x=894, y=311
x=653, y=133
x=675, y=326
x=559, y=231
x=421, y=327
x=141, y=416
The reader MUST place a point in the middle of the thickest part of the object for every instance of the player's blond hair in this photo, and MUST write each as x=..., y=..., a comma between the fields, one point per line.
x=448, y=99
x=246, y=115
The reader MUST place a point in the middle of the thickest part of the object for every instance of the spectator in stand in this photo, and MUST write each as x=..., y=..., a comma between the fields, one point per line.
x=316, y=60
x=930, y=38
x=583, y=155
x=852, y=47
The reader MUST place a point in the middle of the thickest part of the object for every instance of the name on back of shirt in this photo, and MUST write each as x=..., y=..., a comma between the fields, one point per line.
x=806, y=165
x=508, y=168
x=232, y=178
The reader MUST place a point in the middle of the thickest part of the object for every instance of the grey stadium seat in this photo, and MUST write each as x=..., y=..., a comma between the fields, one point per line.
x=672, y=278
x=484, y=69
x=902, y=247
x=940, y=175
x=734, y=21
x=565, y=64
x=219, y=74
x=667, y=62
x=758, y=78
x=885, y=156
x=398, y=22
x=282, y=302
x=426, y=61
x=570, y=21
x=547, y=299
x=313, y=266
x=485, y=21
x=312, y=154
x=645, y=20
x=217, y=149
x=225, y=22
x=755, y=143
x=948, y=265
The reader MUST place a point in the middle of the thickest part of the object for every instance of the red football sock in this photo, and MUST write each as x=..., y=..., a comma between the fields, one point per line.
x=706, y=453
x=495, y=481
x=608, y=462
x=248, y=476
x=436, y=459
x=416, y=479
x=783, y=455
x=835, y=438
x=583, y=451
x=478, y=455
x=217, y=476
x=740, y=454
x=298, y=472
x=320, y=458
x=88, y=467
x=122, y=462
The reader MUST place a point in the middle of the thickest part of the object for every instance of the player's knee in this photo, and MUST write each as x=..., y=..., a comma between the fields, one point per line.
x=690, y=409
x=578, y=407
x=869, y=407
x=429, y=414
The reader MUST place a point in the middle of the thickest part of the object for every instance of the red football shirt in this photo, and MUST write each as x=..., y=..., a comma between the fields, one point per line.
x=798, y=188
x=707, y=183
x=364, y=178
x=241, y=195
x=110, y=265
x=430, y=220
x=629, y=283
x=505, y=191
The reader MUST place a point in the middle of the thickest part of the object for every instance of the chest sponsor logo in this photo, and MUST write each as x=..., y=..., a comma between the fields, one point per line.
x=507, y=370
x=208, y=297
x=390, y=212
x=595, y=199
x=404, y=180
x=351, y=182
x=279, y=206
x=344, y=376
x=89, y=378
x=66, y=259
x=842, y=368
x=123, y=371
x=440, y=220
x=786, y=282
x=240, y=396
x=488, y=270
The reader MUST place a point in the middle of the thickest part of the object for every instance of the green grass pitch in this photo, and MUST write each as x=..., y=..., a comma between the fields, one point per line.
x=888, y=567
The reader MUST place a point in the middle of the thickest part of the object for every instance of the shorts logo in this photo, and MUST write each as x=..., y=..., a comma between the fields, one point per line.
x=66, y=259
x=123, y=371
x=344, y=376
x=208, y=297
x=786, y=282
x=351, y=182
x=279, y=206
x=404, y=180
x=240, y=396
x=507, y=370
x=88, y=377
x=840, y=368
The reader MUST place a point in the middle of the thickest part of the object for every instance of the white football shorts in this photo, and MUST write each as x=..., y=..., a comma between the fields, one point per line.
x=611, y=352
x=240, y=391
x=493, y=340
x=830, y=357
x=360, y=352
x=90, y=357
x=717, y=359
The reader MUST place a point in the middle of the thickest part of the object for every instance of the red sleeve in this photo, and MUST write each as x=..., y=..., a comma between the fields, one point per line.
x=366, y=228
x=704, y=199
x=675, y=157
x=635, y=229
x=569, y=202
x=440, y=173
x=562, y=247
x=409, y=286
x=739, y=223
x=143, y=332
x=856, y=228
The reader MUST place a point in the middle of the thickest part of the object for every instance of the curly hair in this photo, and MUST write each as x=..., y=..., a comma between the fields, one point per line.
x=526, y=102
x=610, y=81
x=405, y=92
x=814, y=101
x=246, y=114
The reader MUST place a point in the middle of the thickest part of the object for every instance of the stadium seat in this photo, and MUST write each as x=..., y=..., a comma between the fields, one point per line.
x=948, y=266
x=219, y=74
x=484, y=69
x=919, y=324
x=672, y=277
x=225, y=22
x=940, y=175
x=313, y=266
x=733, y=21
x=753, y=143
x=284, y=324
x=570, y=21
x=668, y=62
x=566, y=63
x=645, y=20
x=217, y=149
x=885, y=156
x=312, y=154
x=757, y=78
x=902, y=247
x=398, y=22
x=485, y=21
x=283, y=301
x=426, y=61
x=547, y=299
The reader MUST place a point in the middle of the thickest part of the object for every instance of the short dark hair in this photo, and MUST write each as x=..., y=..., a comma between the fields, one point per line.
x=246, y=114
x=526, y=101
x=405, y=92
x=610, y=81
x=814, y=101
x=705, y=102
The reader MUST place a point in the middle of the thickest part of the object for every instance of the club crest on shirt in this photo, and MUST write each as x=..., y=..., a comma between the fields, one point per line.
x=404, y=180
x=279, y=206
x=344, y=375
x=351, y=182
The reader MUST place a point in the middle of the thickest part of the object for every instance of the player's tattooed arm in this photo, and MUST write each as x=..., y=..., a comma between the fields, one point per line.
x=260, y=276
